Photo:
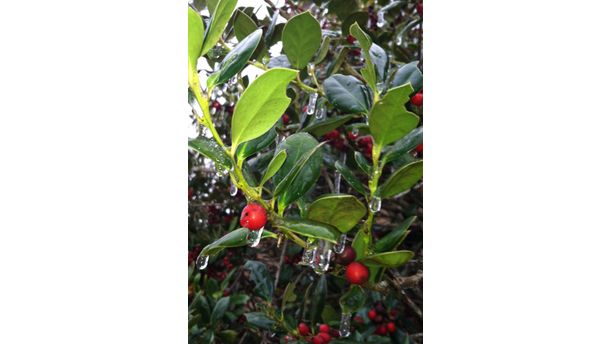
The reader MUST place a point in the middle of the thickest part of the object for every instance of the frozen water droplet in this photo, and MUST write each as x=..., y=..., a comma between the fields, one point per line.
x=312, y=103
x=309, y=254
x=381, y=19
x=320, y=113
x=311, y=68
x=233, y=189
x=337, y=179
x=355, y=131
x=322, y=257
x=345, y=325
x=375, y=204
x=398, y=40
x=254, y=237
x=339, y=247
x=202, y=262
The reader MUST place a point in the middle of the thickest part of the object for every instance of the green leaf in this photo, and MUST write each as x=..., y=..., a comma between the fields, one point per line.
x=261, y=277
x=342, y=8
x=301, y=39
x=261, y=105
x=318, y=300
x=228, y=336
x=274, y=166
x=235, y=60
x=243, y=25
x=234, y=238
x=253, y=146
x=353, y=299
x=220, y=17
x=195, y=36
x=219, y=310
x=212, y=5
x=350, y=178
x=341, y=211
x=368, y=71
x=388, y=259
x=392, y=240
x=310, y=229
x=363, y=163
x=389, y=119
x=404, y=145
x=380, y=59
x=360, y=244
x=323, y=127
x=409, y=73
x=402, y=179
x=361, y=18
x=323, y=50
x=348, y=94
x=259, y=319
x=288, y=295
x=210, y=149
x=301, y=169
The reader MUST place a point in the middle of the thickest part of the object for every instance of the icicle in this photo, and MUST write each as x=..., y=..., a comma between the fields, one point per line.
x=309, y=253
x=312, y=103
x=233, y=189
x=339, y=247
x=322, y=257
x=254, y=237
x=345, y=325
x=381, y=19
x=321, y=111
x=399, y=40
x=375, y=204
x=202, y=262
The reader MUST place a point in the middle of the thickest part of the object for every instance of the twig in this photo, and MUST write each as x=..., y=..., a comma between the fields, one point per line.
x=280, y=264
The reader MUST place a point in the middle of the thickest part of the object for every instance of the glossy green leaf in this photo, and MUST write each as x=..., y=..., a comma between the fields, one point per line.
x=301, y=39
x=388, y=259
x=234, y=238
x=350, y=178
x=343, y=8
x=288, y=295
x=402, y=179
x=341, y=211
x=323, y=127
x=222, y=14
x=243, y=25
x=195, y=36
x=309, y=228
x=261, y=105
x=409, y=73
x=275, y=164
x=212, y=150
x=363, y=163
x=323, y=50
x=261, y=277
x=361, y=18
x=347, y=93
x=235, y=60
x=360, y=243
x=389, y=119
x=255, y=145
x=301, y=169
x=318, y=299
x=368, y=71
x=259, y=319
x=404, y=145
x=353, y=299
x=228, y=336
x=212, y=5
x=380, y=59
x=220, y=309
x=392, y=240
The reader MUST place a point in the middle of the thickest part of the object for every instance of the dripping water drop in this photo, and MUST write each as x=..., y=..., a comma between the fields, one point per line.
x=254, y=237
x=202, y=262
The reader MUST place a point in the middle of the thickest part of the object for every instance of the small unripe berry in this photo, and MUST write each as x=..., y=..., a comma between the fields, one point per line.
x=391, y=327
x=417, y=99
x=253, y=217
x=324, y=328
x=303, y=329
x=346, y=257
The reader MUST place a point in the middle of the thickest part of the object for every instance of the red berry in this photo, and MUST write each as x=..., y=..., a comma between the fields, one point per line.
x=324, y=328
x=190, y=192
x=420, y=8
x=346, y=257
x=226, y=292
x=352, y=136
x=318, y=340
x=357, y=273
x=350, y=39
x=286, y=119
x=391, y=327
x=358, y=319
x=253, y=217
x=303, y=329
x=332, y=135
x=325, y=336
x=339, y=144
x=372, y=314
x=417, y=99
x=365, y=141
x=216, y=105
x=381, y=330
x=356, y=52
x=419, y=148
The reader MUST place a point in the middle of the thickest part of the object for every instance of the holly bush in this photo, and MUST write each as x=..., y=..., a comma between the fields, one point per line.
x=305, y=171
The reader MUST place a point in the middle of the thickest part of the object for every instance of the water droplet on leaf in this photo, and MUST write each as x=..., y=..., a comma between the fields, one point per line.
x=375, y=204
x=202, y=262
x=254, y=237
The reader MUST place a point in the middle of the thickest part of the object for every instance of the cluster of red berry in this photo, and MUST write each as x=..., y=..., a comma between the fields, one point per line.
x=323, y=337
x=356, y=273
x=217, y=107
x=378, y=315
x=215, y=215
